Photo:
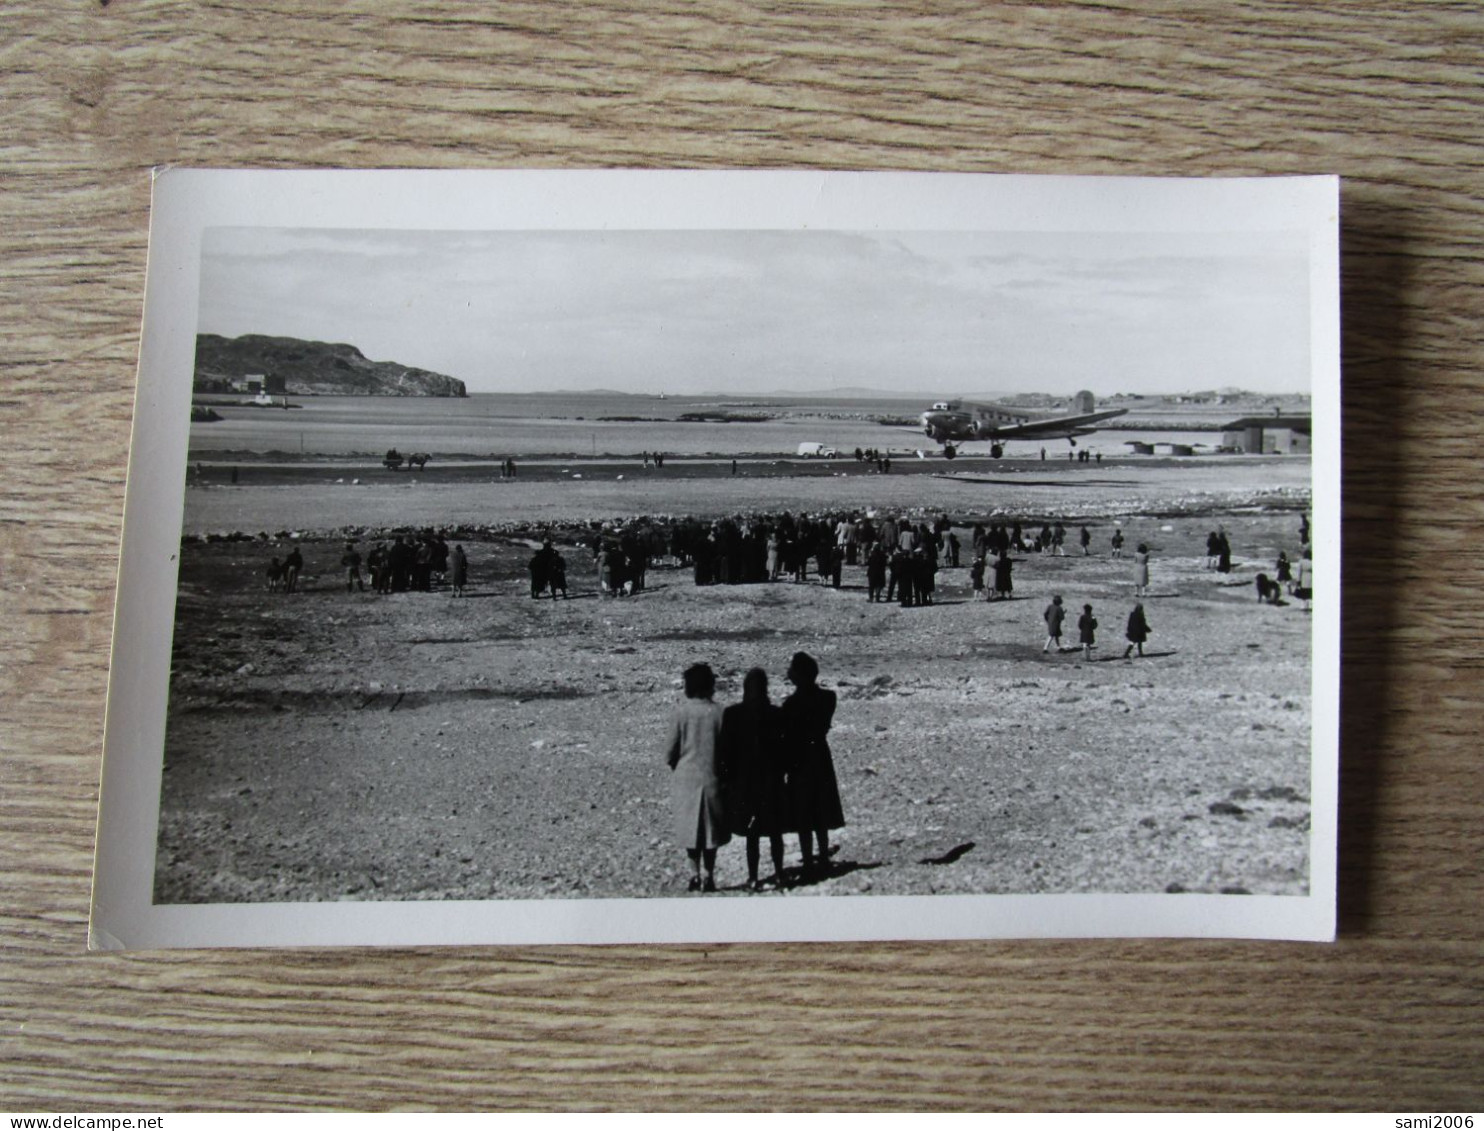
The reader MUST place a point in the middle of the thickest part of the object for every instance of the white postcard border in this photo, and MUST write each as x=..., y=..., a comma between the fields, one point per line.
x=187, y=202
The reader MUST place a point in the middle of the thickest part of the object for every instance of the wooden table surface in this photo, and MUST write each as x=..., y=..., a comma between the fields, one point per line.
x=1390, y=96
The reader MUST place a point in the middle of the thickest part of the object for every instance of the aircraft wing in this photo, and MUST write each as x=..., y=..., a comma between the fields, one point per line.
x=1053, y=428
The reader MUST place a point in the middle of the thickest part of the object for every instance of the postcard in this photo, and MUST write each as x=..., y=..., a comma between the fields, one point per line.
x=613, y=557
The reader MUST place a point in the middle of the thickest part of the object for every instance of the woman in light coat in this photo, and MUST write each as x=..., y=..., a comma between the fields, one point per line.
x=1141, y=571
x=695, y=785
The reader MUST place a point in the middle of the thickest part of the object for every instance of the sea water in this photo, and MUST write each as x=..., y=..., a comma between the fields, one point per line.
x=549, y=425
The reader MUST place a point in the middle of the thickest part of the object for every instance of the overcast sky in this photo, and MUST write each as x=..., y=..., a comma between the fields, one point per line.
x=919, y=314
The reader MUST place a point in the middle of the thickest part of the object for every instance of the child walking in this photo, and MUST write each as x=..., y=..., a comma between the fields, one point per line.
x=1054, y=615
x=1087, y=629
x=1138, y=631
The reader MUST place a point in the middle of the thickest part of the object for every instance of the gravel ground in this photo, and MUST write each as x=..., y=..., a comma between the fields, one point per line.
x=328, y=746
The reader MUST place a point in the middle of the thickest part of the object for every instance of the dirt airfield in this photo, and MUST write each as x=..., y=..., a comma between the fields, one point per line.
x=325, y=745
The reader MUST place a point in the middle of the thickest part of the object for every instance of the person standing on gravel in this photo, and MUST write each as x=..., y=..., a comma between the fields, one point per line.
x=1141, y=571
x=695, y=784
x=1054, y=615
x=876, y=573
x=460, y=571
x=1003, y=586
x=814, y=793
x=1303, y=582
x=1087, y=627
x=1223, y=553
x=906, y=578
x=351, y=560
x=403, y=557
x=752, y=769
x=925, y=576
x=293, y=565
x=1138, y=632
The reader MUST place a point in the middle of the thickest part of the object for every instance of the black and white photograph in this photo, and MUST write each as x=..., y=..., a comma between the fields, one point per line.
x=568, y=557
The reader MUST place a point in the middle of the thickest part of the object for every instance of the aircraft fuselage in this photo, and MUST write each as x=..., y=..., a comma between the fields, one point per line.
x=950, y=424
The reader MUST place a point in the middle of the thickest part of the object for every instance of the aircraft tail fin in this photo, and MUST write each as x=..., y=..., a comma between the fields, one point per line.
x=1085, y=403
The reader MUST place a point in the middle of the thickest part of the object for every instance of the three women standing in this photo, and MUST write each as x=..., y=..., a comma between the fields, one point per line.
x=754, y=771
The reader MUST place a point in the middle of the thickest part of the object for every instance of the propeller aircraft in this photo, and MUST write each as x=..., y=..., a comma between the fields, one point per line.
x=952, y=424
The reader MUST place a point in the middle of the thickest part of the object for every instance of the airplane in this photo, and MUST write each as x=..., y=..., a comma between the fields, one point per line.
x=953, y=424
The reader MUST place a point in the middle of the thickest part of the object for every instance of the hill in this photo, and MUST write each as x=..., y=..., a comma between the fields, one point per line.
x=291, y=365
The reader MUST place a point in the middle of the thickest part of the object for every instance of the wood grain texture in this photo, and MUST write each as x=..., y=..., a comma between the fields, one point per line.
x=1388, y=95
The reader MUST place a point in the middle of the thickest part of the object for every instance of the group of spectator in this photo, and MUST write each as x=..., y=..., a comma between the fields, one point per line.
x=283, y=576
x=1219, y=551
x=902, y=557
x=548, y=569
x=408, y=563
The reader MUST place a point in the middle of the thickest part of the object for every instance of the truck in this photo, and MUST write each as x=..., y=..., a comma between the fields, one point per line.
x=811, y=450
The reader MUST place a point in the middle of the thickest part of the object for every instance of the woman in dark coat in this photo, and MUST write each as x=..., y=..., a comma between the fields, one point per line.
x=753, y=773
x=1138, y=631
x=460, y=571
x=876, y=573
x=695, y=785
x=1087, y=627
x=926, y=576
x=814, y=795
x=1003, y=586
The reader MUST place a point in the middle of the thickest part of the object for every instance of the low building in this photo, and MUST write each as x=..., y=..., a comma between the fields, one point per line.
x=1269, y=435
x=254, y=384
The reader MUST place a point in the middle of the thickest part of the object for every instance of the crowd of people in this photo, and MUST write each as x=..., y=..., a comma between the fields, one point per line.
x=754, y=770
x=901, y=557
x=548, y=569
x=407, y=563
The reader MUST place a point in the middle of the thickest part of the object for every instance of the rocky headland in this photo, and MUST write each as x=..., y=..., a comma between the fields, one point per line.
x=293, y=366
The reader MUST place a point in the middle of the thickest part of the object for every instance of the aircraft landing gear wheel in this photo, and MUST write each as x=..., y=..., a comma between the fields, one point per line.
x=949, y=452
x=996, y=451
